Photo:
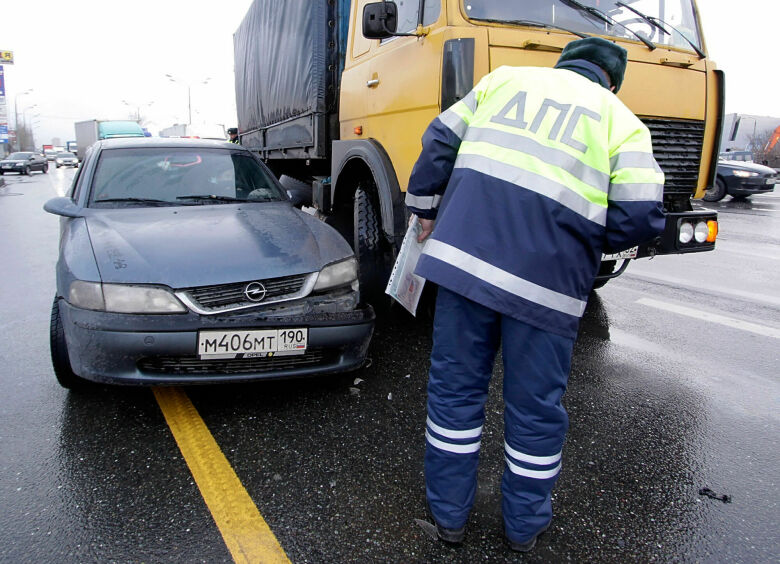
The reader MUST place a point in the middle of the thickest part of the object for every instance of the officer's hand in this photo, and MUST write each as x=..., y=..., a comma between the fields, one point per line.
x=427, y=229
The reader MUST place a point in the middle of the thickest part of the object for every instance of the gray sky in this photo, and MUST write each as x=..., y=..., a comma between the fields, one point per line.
x=82, y=58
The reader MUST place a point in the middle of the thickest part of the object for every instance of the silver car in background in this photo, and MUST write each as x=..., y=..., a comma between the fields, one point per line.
x=183, y=261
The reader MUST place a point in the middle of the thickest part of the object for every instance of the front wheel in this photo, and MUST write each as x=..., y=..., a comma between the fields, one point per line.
x=372, y=268
x=45, y=168
x=717, y=192
x=59, y=352
x=26, y=171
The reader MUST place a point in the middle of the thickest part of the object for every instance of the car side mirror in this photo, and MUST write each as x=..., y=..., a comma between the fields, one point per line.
x=31, y=158
x=380, y=20
x=296, y=198
x=63, y=206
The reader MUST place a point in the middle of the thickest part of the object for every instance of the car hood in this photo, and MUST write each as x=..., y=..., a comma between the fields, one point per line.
x=11, y=161
x=183, y=247
x=742, y=165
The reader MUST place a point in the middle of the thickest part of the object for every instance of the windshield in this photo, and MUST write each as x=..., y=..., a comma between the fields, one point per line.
x=676, y=14
x=173, y=176
x=19, y=156
x=66, y=155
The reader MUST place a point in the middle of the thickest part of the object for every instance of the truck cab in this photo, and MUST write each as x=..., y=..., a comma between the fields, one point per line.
x=392, y=87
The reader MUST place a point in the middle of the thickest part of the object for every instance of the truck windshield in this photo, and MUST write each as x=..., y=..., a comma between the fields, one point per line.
x=678, y=15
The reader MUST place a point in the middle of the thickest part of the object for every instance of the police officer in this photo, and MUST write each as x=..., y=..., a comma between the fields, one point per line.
x=528, y=179
x=233, y=133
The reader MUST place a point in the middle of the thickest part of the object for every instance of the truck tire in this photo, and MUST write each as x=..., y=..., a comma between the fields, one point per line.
x=372, y=270
x=606, y=267
x=59, y=352
x=717, y=192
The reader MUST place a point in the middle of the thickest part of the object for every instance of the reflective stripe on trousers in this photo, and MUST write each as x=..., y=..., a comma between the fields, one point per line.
x=536, y=367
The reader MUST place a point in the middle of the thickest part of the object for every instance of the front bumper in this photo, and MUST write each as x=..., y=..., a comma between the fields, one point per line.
x=748, y=186
x=12, y=168
x=162, y=349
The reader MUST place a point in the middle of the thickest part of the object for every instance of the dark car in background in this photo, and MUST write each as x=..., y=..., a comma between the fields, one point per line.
x=66, y=159
x=184, y=261
x=24, y=162
x=739, y=178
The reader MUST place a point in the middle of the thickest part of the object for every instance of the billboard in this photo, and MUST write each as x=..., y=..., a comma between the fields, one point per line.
x=6, y=57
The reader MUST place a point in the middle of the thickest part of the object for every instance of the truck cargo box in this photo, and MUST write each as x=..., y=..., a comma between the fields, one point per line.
x=287, y=67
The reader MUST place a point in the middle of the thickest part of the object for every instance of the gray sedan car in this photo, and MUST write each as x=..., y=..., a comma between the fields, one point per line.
x=183, y=261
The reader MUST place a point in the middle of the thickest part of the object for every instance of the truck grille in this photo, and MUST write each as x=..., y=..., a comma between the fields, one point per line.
x=194, y=366
x=227, y=295
x=677, y=146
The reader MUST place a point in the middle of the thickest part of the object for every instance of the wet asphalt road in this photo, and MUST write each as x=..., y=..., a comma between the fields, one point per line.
x=662, y=402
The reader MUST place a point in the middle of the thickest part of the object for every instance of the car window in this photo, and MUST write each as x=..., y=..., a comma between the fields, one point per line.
x=180, y=176
x=66, y=155
x=19, y=156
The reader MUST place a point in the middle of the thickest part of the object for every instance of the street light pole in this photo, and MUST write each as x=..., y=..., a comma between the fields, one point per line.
x=16, y=114
x=189, y=94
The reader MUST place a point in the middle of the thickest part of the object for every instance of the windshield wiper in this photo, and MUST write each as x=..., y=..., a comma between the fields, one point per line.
x=657, y=23
x=599, y=15
x=213, y=197
x=532, y=23
x=139, y=200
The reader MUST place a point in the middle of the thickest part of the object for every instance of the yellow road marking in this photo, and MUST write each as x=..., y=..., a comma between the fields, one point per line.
x=244, y=530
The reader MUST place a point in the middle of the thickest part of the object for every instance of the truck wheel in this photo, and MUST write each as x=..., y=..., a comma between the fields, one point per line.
x=59, y=352
x=607, y=267
x=717, y=192
x=372, y=271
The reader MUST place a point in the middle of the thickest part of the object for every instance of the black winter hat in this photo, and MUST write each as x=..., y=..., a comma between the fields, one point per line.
x=233, y=131
x=608, y=55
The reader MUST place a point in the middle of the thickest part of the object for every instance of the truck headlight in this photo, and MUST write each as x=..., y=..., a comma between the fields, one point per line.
x=123, y=298
x=337, y=274
x=744, y=173
x=686, y=232
x=701, y=232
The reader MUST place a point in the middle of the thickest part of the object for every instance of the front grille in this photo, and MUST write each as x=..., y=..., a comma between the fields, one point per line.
x=677, y=146
x=226, y=295
x=194, y=366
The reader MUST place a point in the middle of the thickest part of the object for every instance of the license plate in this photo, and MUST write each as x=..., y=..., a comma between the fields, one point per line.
x=627, y=254
x=251, y=344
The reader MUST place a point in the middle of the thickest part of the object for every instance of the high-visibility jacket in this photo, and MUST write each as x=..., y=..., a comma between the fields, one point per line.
x=530, y=177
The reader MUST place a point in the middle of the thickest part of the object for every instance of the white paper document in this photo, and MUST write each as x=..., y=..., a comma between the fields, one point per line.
x=404, y=285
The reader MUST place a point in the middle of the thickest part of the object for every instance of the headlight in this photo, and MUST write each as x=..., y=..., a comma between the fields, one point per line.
x=686, y=233
x=121, y=298
x=59, y=161
x=701, y=232
x=744, y=173
x=338, y=274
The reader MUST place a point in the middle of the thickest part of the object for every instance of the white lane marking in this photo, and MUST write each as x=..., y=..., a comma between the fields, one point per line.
x=742, y=294
x=762, y=330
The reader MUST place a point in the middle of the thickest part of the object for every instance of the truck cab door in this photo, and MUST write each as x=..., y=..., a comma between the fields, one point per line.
x=402, y=87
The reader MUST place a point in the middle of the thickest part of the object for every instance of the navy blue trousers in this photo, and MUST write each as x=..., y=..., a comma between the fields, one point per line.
x=466, y=337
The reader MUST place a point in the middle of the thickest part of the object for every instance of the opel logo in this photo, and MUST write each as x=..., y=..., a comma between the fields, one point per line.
x=254, y=292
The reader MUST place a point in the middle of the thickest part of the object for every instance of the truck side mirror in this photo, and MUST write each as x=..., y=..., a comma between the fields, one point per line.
x=380, y=20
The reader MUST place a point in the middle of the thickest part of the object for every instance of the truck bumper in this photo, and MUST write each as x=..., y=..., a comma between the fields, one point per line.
x=670, y=242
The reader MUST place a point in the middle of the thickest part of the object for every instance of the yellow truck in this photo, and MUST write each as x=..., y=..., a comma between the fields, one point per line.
x=335, y=95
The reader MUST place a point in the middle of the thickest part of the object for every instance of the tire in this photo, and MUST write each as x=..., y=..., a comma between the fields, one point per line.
x=606, y=267
x=59, y=352
x=26, y=171
x=717, y=192
x=45, y=168
x=58, y=166
x=367, y=243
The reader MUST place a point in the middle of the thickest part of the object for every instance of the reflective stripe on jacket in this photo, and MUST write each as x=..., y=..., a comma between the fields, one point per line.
x=530, y=177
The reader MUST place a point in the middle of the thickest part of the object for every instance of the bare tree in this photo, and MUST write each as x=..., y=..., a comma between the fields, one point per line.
x=765, y=148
